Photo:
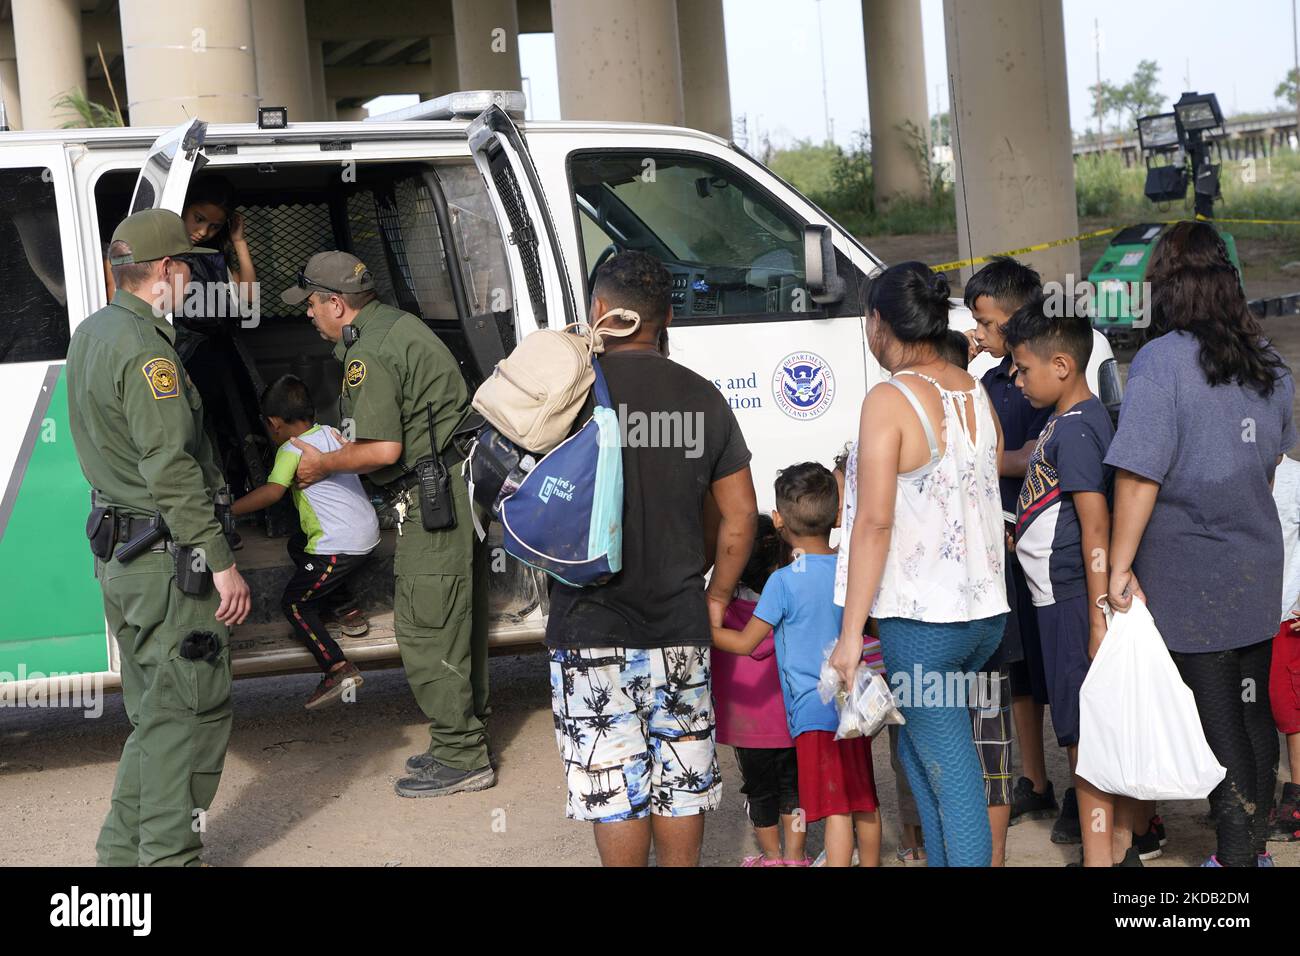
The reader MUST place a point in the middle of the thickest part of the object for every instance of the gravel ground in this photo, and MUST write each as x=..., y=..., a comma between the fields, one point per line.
x=317, y=788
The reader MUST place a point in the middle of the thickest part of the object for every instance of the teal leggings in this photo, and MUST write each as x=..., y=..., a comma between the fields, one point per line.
x=935, y=744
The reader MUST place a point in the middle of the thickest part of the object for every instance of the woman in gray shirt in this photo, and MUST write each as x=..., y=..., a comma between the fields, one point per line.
x=1205, y=420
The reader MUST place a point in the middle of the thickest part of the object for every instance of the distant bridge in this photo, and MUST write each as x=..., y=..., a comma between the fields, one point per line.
x=1253, y=138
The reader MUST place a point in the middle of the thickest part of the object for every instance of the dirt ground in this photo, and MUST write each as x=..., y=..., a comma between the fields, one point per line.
x=315, y=789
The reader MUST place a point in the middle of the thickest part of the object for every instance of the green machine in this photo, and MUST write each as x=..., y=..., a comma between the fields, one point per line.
x=1177, y=155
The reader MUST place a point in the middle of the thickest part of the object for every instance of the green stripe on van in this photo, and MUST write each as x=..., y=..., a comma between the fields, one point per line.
x=53, y=615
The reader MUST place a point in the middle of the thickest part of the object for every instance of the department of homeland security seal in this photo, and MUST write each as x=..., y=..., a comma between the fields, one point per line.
x=803, y=385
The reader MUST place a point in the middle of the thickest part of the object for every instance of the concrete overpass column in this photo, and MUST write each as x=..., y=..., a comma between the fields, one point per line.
x=444, y=70
x=322, y=105
x=702, y=41
x=896, y=97
x=618, y=60
x=283, y=64
x=9, y=76
x=487, y=44
x=1011, y=130
x=48, y=35
x=351, y=113
x=189, y=57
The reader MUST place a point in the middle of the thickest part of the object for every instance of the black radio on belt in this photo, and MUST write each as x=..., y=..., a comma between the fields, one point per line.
x=434, y=482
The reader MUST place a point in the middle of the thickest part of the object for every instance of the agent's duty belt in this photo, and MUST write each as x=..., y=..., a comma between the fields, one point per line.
x=451, y=458
x=123, y=535
x=129, y=527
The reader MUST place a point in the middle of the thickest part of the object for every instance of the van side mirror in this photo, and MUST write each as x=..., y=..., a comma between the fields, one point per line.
x=822, y=277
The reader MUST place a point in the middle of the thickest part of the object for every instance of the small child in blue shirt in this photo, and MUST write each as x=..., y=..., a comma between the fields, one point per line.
x=836, y=782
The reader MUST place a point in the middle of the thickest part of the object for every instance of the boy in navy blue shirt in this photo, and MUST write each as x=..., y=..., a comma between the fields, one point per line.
x=1062, y=537
x=993, y=294
x=836, y=782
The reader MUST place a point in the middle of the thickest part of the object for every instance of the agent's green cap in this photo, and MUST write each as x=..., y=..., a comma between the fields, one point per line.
x=338, y=272
x=153, y=234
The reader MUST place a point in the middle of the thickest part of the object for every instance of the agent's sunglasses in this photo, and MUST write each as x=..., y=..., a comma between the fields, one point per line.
x=305, y=283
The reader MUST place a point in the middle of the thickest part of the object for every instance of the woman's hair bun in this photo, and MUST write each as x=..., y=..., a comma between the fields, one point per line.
x=939, y=286
x=912, y=301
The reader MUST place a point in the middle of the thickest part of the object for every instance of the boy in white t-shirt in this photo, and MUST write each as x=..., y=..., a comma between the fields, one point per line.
x=339, y=529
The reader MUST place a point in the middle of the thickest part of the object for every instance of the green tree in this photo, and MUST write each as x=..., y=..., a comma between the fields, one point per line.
x=810, y=168
x=1288, y=91
x=853, y=176
x=1108, y=98
x=1139, y=96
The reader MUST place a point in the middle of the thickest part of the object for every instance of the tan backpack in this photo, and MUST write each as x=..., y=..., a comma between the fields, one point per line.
x=534, y=394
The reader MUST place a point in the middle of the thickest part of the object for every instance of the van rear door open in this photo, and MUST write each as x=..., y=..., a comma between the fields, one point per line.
x=173, y=159
x=542, y=295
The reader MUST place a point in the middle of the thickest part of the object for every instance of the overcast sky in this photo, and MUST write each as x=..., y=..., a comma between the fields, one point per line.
x=1240, y=50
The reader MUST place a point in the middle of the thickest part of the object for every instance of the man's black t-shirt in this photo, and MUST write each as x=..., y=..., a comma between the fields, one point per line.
x=679, y=436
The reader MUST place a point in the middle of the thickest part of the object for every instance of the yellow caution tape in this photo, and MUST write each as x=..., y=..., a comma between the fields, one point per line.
x=1037, y=247
x=1041, y=246
x=1254, y=222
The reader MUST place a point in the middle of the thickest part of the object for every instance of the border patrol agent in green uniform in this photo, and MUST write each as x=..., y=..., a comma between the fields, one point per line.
x=398, y=379
x=137, y=424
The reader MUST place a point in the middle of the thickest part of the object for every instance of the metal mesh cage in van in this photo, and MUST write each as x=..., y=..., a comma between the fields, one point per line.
x=282, y=238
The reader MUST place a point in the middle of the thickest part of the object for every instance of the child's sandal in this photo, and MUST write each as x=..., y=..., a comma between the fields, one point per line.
x=909, y=855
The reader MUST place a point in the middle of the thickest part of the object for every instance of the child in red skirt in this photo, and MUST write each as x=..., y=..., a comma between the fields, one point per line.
x=836, y=782
x=1284, y=696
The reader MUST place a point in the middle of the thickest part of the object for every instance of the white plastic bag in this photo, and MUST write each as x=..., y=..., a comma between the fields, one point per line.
x=865, y=708
x=1139, y=732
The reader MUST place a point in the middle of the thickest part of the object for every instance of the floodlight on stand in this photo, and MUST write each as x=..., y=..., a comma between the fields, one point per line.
x=272, y=117
x=1166, y=183
x=1158, y=132
x=1207, y=180
x=1198, y=111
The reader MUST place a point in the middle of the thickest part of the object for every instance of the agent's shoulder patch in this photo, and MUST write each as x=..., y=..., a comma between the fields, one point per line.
x=355, y=374
x=160, y=373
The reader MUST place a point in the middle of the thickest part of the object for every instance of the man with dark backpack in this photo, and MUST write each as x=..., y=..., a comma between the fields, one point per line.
x=630, y=658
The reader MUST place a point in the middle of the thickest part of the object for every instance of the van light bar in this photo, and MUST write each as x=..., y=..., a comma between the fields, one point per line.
x=466, y=103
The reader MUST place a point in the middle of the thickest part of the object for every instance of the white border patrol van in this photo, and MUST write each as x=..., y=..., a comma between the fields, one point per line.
x=485, y=228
